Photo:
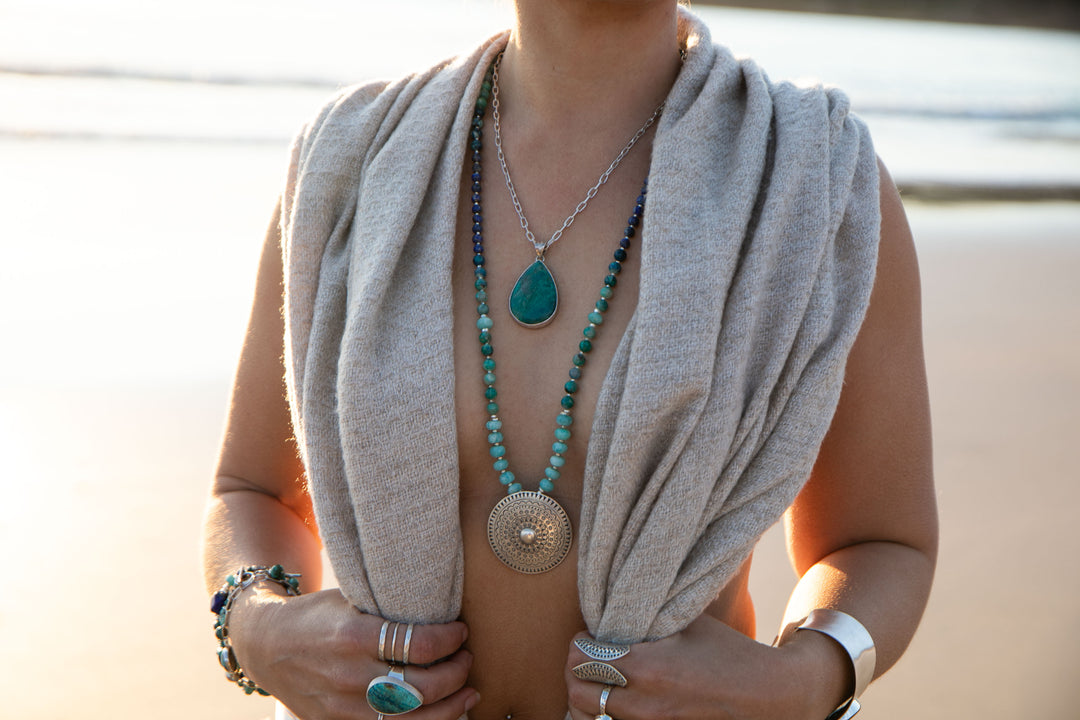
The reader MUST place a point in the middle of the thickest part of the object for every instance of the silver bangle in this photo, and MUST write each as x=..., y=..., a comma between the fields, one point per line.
x=856, y=642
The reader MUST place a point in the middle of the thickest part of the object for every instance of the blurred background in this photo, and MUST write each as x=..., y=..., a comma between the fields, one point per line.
x=141, y=148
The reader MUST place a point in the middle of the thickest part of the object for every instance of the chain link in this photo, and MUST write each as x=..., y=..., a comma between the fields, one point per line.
x=541, y=247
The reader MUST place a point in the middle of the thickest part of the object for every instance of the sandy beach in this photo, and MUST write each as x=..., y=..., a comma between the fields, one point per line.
x=109, y=424
x=131, y=214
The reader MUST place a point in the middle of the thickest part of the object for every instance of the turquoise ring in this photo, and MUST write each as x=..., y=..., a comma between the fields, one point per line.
x=389, y=694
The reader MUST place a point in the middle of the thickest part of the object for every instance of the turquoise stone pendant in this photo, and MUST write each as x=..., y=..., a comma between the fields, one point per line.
x=535, y=298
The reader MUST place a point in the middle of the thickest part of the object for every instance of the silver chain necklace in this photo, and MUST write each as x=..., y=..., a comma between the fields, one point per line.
x=535, y=297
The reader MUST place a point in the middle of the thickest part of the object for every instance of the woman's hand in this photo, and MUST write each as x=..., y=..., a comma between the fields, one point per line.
x=317, y=653
x=711, y=671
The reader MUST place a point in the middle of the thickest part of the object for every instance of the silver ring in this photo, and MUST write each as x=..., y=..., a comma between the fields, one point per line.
x=599, y=672
x=600, y=650
x=382, y=641
x=390, y=694
x=393, y=644
x=603, y=703
x=408, y=642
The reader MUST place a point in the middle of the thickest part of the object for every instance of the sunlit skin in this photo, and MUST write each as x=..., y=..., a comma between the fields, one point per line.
x=577, y=80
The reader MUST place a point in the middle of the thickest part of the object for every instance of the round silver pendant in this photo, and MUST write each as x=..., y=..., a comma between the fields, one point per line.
x=529, y=532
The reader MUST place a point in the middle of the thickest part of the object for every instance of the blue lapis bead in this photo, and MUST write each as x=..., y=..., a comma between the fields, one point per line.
x=476, y=208
x=559, y=447
x=633, y=221
x=620, y=255
x=495, y=438
x=476, y=177
x=218, y=601
x=493, y=424
x=484, y=323
x=501, y=464
x=476, y=198
x=564, y=419
x=513, y=488
x=497, y=451
x=477, y=248
x=546, y=485
x=557, y=461
x=562, y=434
x=629, y=232
x=551, y=473
x=624, y=244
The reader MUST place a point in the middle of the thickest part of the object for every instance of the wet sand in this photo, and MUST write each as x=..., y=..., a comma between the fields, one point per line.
x=117, y=370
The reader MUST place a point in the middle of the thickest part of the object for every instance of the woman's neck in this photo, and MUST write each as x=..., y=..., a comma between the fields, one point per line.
x=579, y=64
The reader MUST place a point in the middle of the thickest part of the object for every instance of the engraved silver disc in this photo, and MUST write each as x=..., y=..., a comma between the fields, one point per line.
x=529, y=532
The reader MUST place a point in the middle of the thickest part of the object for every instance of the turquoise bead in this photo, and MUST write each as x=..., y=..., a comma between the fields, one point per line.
x=492, y=408
x=506, y=477
x=482, y=308
x=552, y=473
x=567, y=402
x=570, y=386
x=589, y=332
x=615, y=267
x=562, y=434
x=495, y=438
x=480, y=283
x=546, y=485
x=494, y=424
x=485, y=337
x=585, y=346
x=606, y=293
x=490, y=393
x=501, y=464
x=564, y=419
x=602, y=305
x=484, y=323
x=486, y=350
x=596, y=318
x=481, y=296
x=559, y=447
x=497, y=451
x=489, y=364
x=489, y=378
x=513, y=488
x=557, y=461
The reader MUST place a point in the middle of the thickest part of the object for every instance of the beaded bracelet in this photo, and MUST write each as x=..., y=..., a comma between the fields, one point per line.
x=221, y=603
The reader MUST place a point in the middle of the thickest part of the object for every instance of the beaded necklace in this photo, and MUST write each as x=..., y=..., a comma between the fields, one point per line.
x=528, y=530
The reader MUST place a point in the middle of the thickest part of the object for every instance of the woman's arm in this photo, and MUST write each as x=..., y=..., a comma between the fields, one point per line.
x=862, y=535
x=316, y=653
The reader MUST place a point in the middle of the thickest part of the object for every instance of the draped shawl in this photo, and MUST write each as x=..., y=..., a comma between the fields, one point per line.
x=758, y=254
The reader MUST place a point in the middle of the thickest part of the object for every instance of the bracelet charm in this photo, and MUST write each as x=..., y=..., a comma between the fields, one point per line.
x=222, y=602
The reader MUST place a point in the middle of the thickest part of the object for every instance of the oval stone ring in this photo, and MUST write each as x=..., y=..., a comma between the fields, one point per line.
x=389, y=694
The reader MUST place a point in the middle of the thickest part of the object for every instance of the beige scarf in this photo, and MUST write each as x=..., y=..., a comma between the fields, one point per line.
x=757, y=260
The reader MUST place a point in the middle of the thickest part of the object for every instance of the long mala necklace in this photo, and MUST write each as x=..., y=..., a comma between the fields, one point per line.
x=535, y=297
x=528, y=530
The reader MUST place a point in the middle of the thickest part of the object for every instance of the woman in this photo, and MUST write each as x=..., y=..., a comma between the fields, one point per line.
x=766, y=278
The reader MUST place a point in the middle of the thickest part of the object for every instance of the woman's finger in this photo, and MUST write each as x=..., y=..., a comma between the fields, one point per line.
x=427, y=644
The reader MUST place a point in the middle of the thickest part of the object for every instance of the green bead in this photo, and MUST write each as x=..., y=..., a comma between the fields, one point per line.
x=564, y=419
x=562, y=434
x=484, y=323
x=567, y=402
x=596, y=318
x=490, y=393
x=552, y=473
x=513, y=488
x=486, y=350
x=579, y=359
x=497, y=451
x=276, y=572
x=489, y=378
x=506, y=477
x=492, y=408
x=559, y=447
x=230, y=581
x=546, y=485
x=495, y=438
x=602, y=305
x=589, y=332
x=611, y=281
x=501, y=464
x=606, y=293
x=481, y=296
x=585, y=346
x=615, y=267
x=489, y=364
x=493, y=424
x=482, y=308
x=480, y=283
x=570, y=386
x=557, y=461
x=485, y=336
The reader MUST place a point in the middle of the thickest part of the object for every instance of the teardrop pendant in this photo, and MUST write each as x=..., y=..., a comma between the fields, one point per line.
x=535, y=297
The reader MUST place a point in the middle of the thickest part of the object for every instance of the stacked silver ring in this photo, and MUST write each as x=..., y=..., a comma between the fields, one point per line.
x=390, y=694
x=598, y=669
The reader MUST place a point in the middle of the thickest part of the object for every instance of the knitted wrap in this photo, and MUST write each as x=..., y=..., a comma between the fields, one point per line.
x=763, y=200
